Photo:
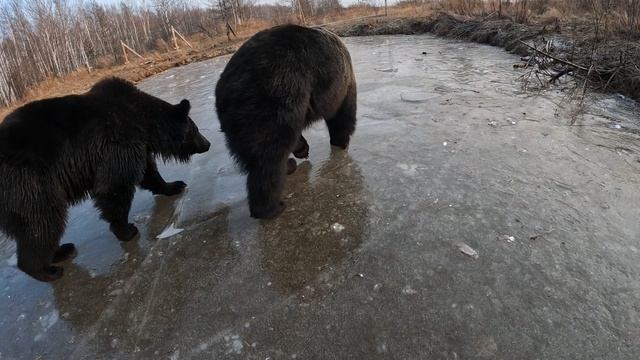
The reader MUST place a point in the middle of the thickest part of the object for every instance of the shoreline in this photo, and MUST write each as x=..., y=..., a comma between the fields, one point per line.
x=607, y=72
x=608, y=64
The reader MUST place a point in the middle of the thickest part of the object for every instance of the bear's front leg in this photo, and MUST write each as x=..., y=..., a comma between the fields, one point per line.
x=154, y=182
x=114, y=204
x=37, y=243
x=34, y=258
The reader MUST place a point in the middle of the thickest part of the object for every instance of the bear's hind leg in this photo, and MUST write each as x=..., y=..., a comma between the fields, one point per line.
x=154, y=182
x=114, y=204
x=343, y=123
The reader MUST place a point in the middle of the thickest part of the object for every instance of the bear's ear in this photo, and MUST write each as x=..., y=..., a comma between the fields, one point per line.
x=183, y=108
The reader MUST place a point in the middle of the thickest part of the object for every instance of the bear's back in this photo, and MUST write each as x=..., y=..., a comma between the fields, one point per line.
x=40, y=130
x=276, y=60
x=305, y=70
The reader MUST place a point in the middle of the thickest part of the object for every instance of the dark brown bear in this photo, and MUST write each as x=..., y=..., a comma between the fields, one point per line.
x=277, y=84
x=56, y=152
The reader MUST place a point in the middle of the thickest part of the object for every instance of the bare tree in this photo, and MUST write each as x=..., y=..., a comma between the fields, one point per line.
x=51, y=38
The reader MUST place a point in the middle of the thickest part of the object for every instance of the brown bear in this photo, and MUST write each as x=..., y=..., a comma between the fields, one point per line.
x=278, y=83
x=56, y=152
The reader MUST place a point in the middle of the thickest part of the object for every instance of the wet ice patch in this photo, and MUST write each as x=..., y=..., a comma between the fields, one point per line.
x=13, y=260
x=234, y=344
x=175, y=355
x=169, y=232
x=141, y=219
x=409, y=170
x=468, y=250
x=507, y=238
x=415, y=96
x=408, y=290
x=337, y=227
x=46, y=322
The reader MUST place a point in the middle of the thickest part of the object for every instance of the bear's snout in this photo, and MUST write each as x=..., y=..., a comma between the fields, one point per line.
x=201, y=144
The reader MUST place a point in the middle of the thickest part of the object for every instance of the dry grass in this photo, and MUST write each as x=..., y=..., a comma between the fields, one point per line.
x=163, y=58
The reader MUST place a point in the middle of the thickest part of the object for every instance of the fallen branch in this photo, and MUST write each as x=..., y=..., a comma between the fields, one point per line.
x=544, y=233
x=583, y=95
x=569, y=63
x=559, y=75
x=611, y=78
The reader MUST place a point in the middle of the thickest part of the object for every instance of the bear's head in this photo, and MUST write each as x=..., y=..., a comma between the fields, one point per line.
x=183, y=139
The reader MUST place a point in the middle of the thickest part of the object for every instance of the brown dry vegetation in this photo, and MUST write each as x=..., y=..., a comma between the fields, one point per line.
x=600, y=35
x=135, y=70
x=161, y=55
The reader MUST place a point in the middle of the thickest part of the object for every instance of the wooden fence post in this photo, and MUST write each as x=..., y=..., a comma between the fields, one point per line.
x=124, y=52
x=175, y=32
x=230, y=31
x=173, y=35
x=301, y=14
x=125, y=47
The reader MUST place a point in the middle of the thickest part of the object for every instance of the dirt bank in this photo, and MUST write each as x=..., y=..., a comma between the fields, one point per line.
x=609, y=62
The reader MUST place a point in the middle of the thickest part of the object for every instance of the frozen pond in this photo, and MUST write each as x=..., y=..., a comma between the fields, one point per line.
x=468, y=220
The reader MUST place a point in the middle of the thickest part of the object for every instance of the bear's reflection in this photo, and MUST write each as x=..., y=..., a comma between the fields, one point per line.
x=81, y=298
x=323, y=226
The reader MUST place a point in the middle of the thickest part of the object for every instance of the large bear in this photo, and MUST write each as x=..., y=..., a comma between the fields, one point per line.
x=278, y=83
x=101, y=144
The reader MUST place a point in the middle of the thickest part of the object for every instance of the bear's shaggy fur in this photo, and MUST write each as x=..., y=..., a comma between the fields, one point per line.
x=56, y=152
x=277, y=84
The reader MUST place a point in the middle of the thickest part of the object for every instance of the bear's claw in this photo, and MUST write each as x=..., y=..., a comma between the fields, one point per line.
x=342, y=144
x=302, y=151
x=271, y=213
x=291, y=166
x=125, y=233
x=50, y=273
x=172, y=188
x=64, y=252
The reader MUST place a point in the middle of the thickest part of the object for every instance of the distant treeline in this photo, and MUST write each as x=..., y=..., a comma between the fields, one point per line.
x=51, y=38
